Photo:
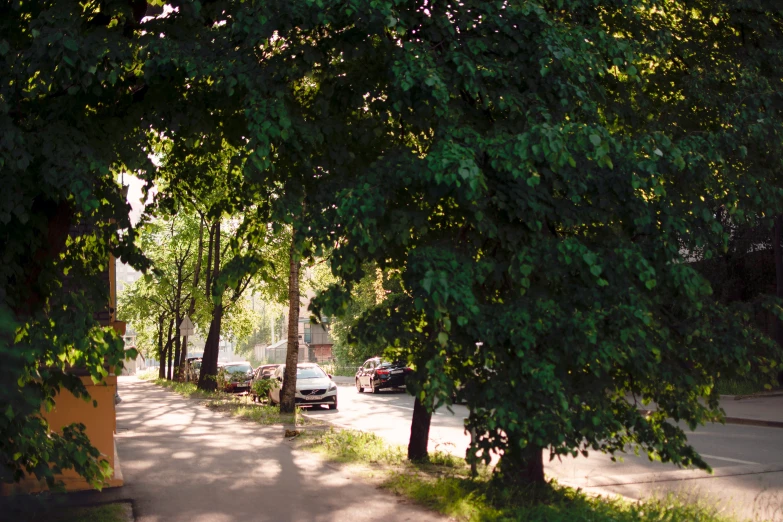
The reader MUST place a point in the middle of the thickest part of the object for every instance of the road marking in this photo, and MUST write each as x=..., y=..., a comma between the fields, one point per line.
x=738, y=461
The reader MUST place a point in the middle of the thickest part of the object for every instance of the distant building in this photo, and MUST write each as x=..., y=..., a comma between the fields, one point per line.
x=126, y=275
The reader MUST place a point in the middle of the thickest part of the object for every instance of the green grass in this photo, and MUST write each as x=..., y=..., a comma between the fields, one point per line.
x=350, y=446
x=188, y=389
x=235, y=405
x=116, y=512
x=745, y=386
x=150, y=374
x=260, y=413
x=444, y=485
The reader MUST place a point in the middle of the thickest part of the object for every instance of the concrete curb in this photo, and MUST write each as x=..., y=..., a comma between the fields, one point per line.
x=739, y=420
x=754, y=422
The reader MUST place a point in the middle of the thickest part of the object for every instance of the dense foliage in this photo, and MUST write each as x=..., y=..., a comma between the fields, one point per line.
x=559, y=184
x=70, y=118
x=538, y=175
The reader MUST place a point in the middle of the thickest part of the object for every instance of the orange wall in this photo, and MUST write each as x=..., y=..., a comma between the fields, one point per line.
x=100, y=424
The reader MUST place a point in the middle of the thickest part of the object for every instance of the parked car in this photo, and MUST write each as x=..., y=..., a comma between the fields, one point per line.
x=376, y=374
x=238, y=376
x=262, y=373
x=314, y=387
x=192, y=369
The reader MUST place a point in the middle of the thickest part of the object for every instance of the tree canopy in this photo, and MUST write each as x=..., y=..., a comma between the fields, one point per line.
x=539, y=175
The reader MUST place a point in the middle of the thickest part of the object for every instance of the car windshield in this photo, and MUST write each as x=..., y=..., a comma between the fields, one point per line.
x=239, y=368
x=310, y=372
x=387, y=364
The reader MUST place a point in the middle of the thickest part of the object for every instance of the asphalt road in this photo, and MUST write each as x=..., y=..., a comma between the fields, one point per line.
x=747, y=460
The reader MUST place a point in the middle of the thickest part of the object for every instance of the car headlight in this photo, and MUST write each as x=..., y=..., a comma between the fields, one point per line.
x=332, y=386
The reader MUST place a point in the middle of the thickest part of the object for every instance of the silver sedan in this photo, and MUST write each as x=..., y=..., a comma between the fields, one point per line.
x=314, y=387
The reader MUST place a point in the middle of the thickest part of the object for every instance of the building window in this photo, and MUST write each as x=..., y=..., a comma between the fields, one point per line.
x=308, y=335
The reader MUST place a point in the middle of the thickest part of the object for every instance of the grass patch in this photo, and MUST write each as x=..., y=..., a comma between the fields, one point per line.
x=746, y=386
x=260, y=413
x=236, y=405
x=188, y=389
x=444, y=485
x=484, y=499
x=150, y=374
x=351, y=446
x=116, y=512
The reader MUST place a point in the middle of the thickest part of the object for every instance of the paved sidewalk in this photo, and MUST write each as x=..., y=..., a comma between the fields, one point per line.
x=766, y=410
x=183, y=462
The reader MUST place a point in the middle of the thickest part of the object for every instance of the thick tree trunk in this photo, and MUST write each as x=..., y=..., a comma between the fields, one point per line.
x=287, y=394
x=208, y=375
x=520, y=467
x=777, y=236
x=196, y=279
x=420, y=432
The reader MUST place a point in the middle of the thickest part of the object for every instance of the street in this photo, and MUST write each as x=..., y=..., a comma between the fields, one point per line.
x=747, y=460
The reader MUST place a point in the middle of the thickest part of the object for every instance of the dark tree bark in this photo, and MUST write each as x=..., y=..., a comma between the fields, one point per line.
x=778, y=251
x=161, y=350
x=170, y=350
x=521, y=467
x=59, y=220
x=166, y=353
x=777, y=237
x=177, y=345
x=208, y=375
x=196, y=278
x=420, y=432
x=287, y=394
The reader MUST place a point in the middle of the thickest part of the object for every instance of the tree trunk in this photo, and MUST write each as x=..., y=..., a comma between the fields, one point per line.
x=208, y=376
x=521, y=467
x=161, y=351
x=196, y=279
x=177, y=348
x=178, y=321
x=420, y=432
x=778, y=251
x=777, y=237
x=164, y=353
x=287, y=398
x=169, y=349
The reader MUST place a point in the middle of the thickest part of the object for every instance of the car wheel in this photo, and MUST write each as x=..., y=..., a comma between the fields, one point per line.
x=359, y=386
x=333, y=406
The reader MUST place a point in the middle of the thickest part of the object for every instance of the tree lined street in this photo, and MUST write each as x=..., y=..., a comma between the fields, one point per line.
x=542, y=207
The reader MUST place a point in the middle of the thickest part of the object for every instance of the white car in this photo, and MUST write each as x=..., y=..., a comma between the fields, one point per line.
x=314, y=387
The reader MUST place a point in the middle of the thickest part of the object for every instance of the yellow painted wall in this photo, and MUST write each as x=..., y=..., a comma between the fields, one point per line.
x=100, y=424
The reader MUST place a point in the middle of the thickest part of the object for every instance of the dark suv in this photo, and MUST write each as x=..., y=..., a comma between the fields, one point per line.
x=376, y=374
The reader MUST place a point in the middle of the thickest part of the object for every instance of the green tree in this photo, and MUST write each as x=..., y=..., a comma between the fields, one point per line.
x=546, y=218
x=70, y=119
